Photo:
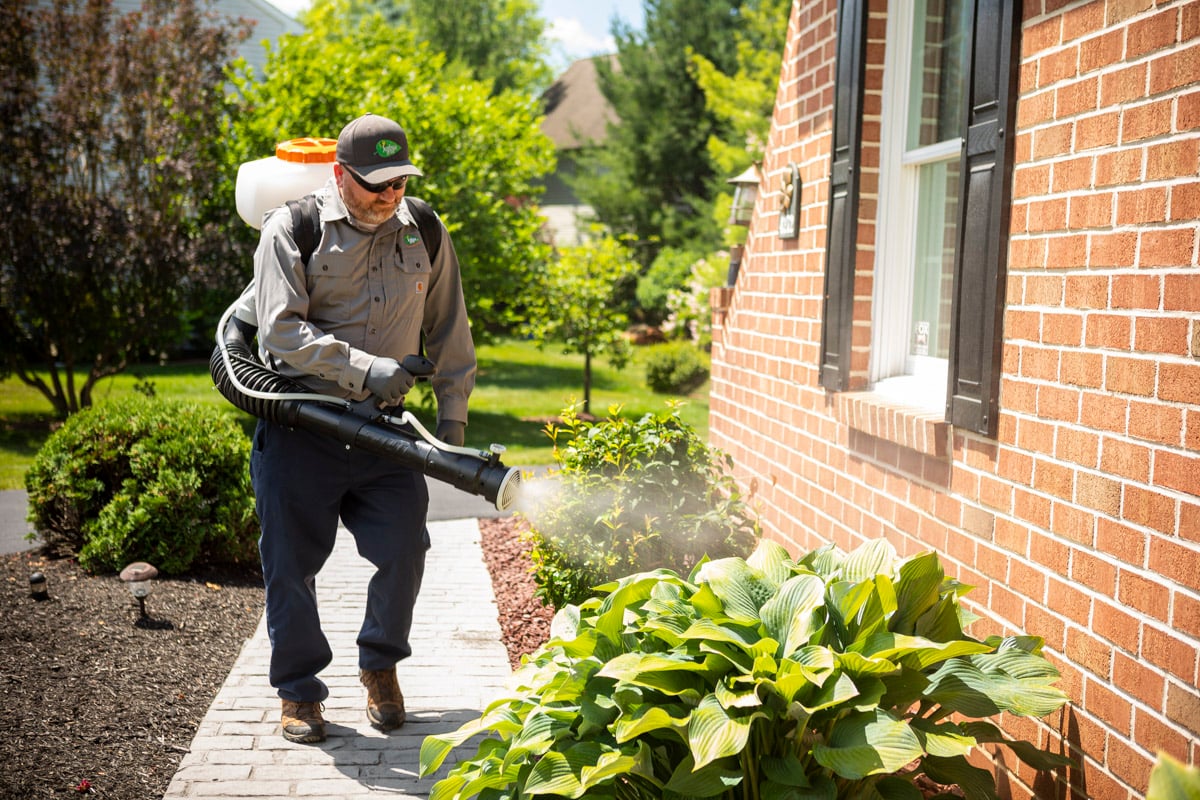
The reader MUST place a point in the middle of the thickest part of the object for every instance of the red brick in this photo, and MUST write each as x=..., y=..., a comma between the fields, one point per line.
x=1181, y=292
x=1130, y=375
x=1112, y=709
x=1178, y=472
x=1187, y=112
x=1082, y=21
x=1121, y=541
x=1183, y=707
x=1141, y=206
x=1032, y=508
x=1077, y=446
x=1185, y=618
x=1039, y=363
x=1173, y=159
x=1047, y=215
x=1099, y=493
x=1170, y=651
x=1077, y=98
x=1040, y=622
x=1097, y=130
x=1071, y=603
x=1147, y=595
x=1067, y=252
x=1174, y=69
x=1103, y=51
x=1149, y=509
x=1150, y=34
x=1117, y=249
x=1127, y=763
x=1122, y=85
x=1167, y=248
x=1115, y=624
x=1137, y=291
x=1062, y=329
x=1072, y=174
x=1094, y=210
x=1089, y=652
x=1179, y=383
x=1125, y=459
x=1161, y=335
x=1031, y=181
x=1145, y=121
x=1156, y=422
x=1081, y=369
x=1104, y=412
x=1058, y=66
x=1150, y=732
x=1109, y=331
x=1073, y=523
x=1185, y=201
x=1137, y=680
x=1175, y=561
x=1119, y=167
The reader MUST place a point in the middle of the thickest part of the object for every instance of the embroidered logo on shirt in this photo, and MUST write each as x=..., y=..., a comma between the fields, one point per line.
x=411, y=238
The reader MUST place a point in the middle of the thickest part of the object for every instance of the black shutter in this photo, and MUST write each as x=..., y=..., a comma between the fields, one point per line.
x=842, y=230
x=981, y=257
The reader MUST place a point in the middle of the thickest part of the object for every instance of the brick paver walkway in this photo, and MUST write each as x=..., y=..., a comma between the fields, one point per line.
x=458, y=666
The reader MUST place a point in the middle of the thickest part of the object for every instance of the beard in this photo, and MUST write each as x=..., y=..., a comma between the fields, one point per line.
x=375, y=212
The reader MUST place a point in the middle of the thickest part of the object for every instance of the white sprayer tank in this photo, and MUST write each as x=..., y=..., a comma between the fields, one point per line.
x=298, y=167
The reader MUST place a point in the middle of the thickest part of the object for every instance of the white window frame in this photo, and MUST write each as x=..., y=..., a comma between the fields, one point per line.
x=894, y=373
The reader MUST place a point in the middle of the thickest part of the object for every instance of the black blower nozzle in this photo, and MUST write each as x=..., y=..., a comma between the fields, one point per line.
x=477, y=472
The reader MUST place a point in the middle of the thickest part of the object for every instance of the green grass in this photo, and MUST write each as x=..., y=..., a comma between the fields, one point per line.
x=519, y=389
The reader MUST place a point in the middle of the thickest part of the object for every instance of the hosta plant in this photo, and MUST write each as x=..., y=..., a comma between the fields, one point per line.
x=834, y=676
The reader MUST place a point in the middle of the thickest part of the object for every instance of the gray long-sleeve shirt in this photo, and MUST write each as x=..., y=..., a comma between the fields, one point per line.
x=362, y=295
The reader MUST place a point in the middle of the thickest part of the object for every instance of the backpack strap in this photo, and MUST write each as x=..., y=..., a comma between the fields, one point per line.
x=428, y=223
x=306, y=225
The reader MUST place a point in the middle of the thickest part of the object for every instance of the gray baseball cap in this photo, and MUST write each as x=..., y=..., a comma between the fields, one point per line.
x=376, y=148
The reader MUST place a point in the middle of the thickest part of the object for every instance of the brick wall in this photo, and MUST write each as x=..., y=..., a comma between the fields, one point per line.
x=1080, y=522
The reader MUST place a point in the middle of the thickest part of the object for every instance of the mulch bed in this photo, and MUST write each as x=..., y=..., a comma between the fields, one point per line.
x=97, y=702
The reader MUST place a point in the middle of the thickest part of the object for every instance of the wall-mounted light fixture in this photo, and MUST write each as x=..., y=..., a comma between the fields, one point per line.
x=745, y=193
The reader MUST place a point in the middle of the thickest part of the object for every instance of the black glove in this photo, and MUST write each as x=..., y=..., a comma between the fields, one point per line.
x=387, y=380
x=451, y=431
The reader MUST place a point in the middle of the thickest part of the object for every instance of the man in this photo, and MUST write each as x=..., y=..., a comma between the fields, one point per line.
x=341, y=324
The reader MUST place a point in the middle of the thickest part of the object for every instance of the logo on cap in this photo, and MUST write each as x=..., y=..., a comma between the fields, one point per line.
x=386, y=148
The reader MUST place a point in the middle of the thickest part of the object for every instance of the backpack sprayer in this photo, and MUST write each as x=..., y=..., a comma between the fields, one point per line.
x=244, y=381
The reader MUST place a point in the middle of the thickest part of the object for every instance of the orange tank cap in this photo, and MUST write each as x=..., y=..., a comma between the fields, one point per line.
x=307, y=151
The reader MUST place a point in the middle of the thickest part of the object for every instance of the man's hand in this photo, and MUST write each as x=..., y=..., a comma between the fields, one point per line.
x=387, y=380
x=451, y=431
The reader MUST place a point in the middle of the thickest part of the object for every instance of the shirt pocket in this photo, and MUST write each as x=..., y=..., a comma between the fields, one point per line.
x=334, y=282
x=411, y=262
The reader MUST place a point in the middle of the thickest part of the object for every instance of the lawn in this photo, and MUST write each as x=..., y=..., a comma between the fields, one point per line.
x=519, y=388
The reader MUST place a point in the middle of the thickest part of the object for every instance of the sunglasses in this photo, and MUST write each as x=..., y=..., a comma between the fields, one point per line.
x=396, y=184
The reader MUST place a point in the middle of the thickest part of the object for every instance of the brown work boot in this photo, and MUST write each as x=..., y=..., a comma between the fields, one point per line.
x=302, y=722
x=385, y=703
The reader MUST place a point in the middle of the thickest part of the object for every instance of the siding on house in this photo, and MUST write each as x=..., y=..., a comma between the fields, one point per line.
x=269, y=24
x=1080, y=521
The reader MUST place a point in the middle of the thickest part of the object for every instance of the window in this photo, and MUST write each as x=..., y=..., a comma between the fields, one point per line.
x=920, y=155
x=941, y=247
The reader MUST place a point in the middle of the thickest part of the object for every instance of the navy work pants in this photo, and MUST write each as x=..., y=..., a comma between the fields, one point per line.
x=303, y=483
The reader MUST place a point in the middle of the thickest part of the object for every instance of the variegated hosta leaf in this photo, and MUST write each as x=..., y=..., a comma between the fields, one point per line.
x=943, y=739
x=772, y=559
x=741, y=588
x=825, y=561
x=918, y=589
x=875, y=557
x=505, y=717
x=708, y=781
x=791, y=616
x=914, y=651
x=715, y=733
x=976, y=783
x=648, y=718
x=869, y=743
x=674, y=676
x=961, y=686
x=583, y=765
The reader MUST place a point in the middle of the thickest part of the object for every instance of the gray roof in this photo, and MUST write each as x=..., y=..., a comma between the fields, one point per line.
x=577, y=115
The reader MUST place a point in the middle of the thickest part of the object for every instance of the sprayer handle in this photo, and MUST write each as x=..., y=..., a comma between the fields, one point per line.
x=418, y=366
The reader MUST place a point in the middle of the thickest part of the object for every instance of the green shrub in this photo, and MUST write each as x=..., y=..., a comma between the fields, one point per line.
x=149, y=480
x=835, y=676
x=675, y=368
x=668, y=273
x=629, y=496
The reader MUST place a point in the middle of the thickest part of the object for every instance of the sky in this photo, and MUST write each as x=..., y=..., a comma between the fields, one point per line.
x=577, y=28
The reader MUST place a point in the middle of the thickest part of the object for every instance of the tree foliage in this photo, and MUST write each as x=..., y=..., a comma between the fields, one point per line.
x=499, y=42
x=110, y=157
x=480, y=152
x=572, y=304
x=654, y=178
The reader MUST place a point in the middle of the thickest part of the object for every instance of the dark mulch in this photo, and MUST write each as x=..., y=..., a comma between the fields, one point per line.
x=91, y=694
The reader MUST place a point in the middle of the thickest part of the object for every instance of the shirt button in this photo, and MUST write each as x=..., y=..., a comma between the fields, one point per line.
x=376, y=299
x=372, y=331
x=325, y=268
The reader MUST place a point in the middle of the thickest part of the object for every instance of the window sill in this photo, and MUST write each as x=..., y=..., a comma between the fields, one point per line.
x=922, y=429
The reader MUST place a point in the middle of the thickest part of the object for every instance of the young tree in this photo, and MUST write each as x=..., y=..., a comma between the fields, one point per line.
x=573, y=304
x=480, y=153
x=108, y=163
